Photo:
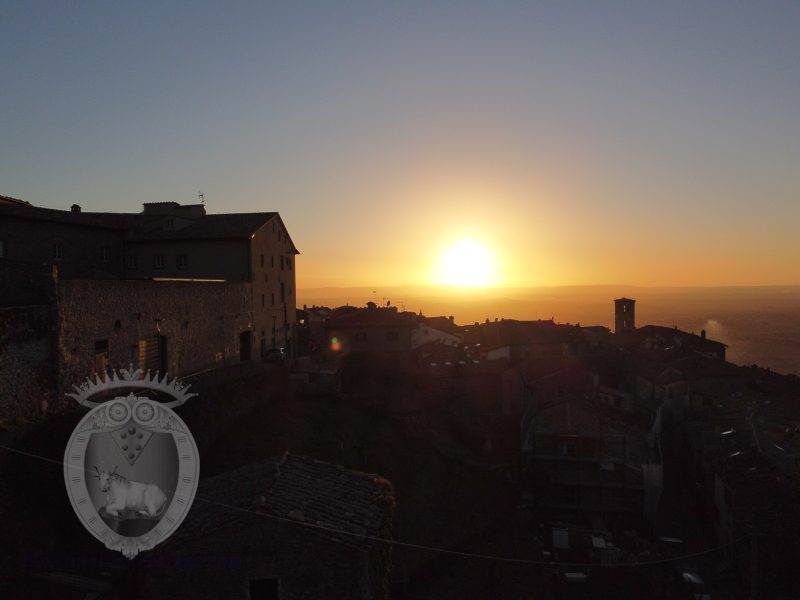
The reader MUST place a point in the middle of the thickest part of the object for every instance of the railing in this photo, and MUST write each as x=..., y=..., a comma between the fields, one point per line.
x=226, y=374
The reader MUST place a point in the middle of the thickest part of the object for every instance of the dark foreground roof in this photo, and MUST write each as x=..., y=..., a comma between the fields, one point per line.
x=287, y=492
x=308, y=524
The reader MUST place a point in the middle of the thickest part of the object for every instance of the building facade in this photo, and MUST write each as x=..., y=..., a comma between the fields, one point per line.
x=171, y=289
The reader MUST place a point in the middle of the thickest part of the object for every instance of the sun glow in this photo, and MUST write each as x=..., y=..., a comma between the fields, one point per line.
x=469, y=264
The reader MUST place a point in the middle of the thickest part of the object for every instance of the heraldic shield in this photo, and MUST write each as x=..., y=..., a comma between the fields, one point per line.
x=131, y=466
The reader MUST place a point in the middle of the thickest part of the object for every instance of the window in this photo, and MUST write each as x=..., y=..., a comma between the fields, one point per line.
x=272, y=261
x=131, y=261
x=262, y=261
x=281, y=262
x=262, y=299
x=361, y=336
x=58, y=251
x=100, y=356
x=245, y=345
x=2, y=249
x=169, y=224
x=182, y=261
x=105, y=254
x=392, y=336
x=283, y=293
x=158, y=261
x=566, y=449
x=289, y=262
x=273, y=298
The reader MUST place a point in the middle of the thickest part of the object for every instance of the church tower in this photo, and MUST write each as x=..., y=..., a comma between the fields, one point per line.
x=624, y=315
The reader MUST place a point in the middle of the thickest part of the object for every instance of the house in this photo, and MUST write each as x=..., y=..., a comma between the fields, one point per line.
x=513, y=340
x=616, y=398
x=747, y=490
x=436, y=330
x=582, y=458
x=656, y=338
x=374, y=329
x=170, y=289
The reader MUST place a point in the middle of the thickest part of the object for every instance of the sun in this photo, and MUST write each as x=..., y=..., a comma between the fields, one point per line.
x=467, y=263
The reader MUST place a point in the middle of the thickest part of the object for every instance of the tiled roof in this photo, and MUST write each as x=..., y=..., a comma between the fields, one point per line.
x=279, y=519
x=10, y=200
x=119, y=221
x=290, y=487
x=148, y=227
x=313, y=491
x=220, y=226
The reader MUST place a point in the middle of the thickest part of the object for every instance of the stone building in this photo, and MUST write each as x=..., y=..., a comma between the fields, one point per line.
x=379, y=330
x=582, y=459
x=169, y=289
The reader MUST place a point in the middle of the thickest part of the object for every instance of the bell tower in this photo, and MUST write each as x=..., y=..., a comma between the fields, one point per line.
x=624, y=315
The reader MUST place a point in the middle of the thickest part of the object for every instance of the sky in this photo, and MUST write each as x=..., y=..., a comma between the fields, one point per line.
x=637, y=143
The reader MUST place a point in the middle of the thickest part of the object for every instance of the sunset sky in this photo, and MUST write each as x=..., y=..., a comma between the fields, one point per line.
x=639, y=143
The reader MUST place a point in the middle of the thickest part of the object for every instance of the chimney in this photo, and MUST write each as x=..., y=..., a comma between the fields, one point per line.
x=703, y=333
x=76, y=208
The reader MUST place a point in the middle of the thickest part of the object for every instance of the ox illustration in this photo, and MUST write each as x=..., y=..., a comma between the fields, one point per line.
x=146, y=499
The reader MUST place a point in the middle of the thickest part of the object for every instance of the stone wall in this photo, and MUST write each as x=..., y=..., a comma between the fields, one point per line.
x=27, y=363
x=200, y=323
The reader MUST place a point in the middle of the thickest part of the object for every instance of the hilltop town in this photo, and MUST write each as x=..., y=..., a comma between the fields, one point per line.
x=507, y=458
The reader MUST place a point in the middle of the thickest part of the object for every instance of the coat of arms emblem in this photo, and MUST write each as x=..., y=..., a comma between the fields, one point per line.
x=131, y=466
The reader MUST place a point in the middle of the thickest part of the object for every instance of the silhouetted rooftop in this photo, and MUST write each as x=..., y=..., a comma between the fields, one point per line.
x=218, y=226
x=288, y=487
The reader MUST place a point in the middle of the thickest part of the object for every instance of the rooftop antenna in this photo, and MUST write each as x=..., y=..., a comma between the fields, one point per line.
x=202, y=197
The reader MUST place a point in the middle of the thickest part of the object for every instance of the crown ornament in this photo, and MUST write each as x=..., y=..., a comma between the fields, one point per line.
x=133, y=379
